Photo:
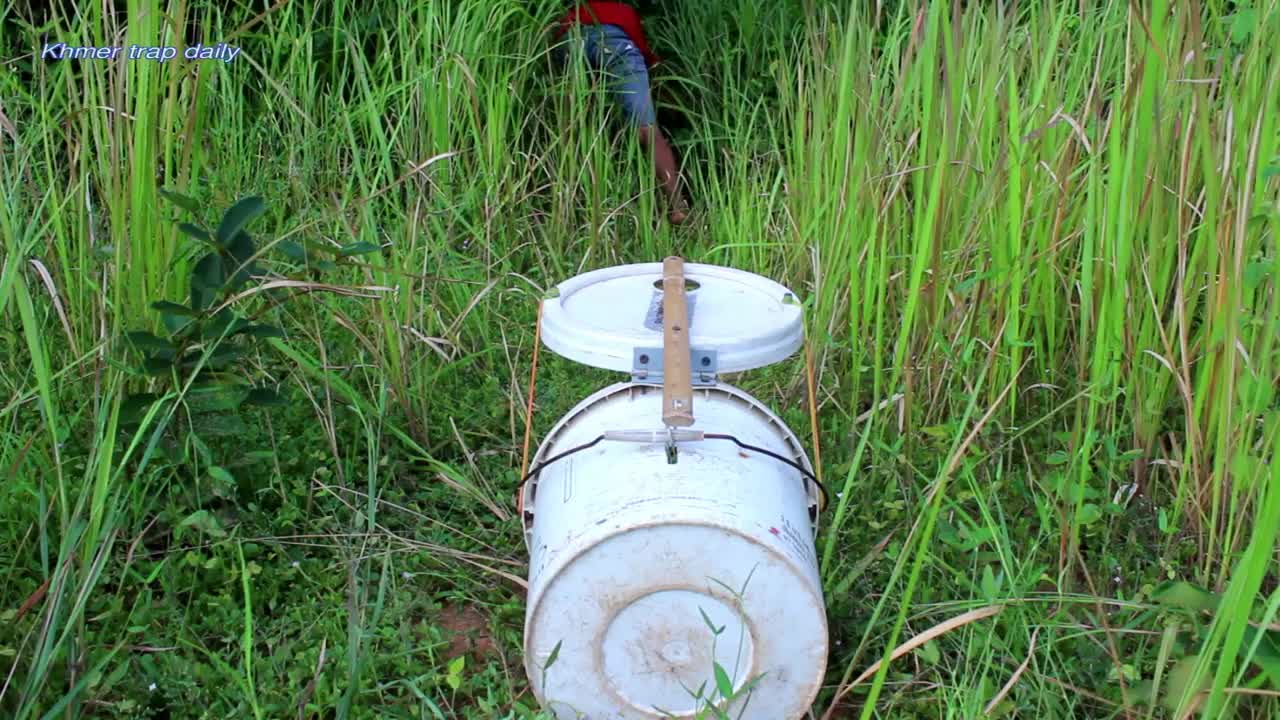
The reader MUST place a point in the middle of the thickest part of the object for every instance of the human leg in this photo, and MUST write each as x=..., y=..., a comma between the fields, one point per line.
x=609, y=50
x=630, y=85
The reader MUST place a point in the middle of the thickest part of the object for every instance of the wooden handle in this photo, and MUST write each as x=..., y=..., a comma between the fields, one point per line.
x=677, y=387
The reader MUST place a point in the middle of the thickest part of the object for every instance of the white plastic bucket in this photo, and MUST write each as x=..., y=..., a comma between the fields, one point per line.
x=633, y=559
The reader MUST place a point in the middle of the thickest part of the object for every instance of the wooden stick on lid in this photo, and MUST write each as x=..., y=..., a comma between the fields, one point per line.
x=677, y=386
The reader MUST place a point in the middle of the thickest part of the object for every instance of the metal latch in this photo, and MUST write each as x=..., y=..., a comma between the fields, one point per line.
x=646, y=366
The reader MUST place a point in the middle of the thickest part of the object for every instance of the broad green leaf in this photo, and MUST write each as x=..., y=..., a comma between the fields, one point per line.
x=221, y=475
x=1004, y=709
x=197, y=232
x=206, y=280
x=1254, y=274
x=223, y=356
x=263, y=331
x=201, y=521
x=1179, y=681
x=177, y=325
x=1089, y=514
x=975, y=538
x=182, y=201
x=456, y=665
x=723, y=683
x=143, y=340
x=929, y=653
x=241, y=250
x=202, y=449
x=1185, y=596
x=1243, y=23
x=967, y=284
x=1057, y=457
x=1267, y=656
x=115, y=676
x=1140, y=691
x=172, y=308
x=237, y=216
x=1264, y=213
x=224, y=323
x=322, y=247
x=293, y=251
x=989, y=587
x=156, y=365
x=358, y=248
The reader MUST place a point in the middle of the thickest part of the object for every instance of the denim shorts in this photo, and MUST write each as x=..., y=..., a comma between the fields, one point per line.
x=609, y=49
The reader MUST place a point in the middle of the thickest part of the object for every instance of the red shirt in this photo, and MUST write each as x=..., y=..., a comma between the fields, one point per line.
x=610, y=13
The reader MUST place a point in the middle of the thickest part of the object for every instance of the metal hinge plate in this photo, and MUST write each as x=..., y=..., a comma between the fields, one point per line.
x=646, y=366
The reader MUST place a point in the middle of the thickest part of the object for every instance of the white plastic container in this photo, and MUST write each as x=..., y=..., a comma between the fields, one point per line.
x=633, y=560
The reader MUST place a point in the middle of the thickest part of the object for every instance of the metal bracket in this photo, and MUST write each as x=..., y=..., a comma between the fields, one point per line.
x=646, y=366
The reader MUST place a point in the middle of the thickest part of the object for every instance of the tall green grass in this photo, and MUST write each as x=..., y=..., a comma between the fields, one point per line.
x=1037, y=246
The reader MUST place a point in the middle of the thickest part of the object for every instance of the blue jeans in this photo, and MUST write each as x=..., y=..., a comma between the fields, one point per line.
x=608, y=48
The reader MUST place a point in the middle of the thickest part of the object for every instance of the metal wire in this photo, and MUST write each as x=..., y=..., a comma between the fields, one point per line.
x=708, y=436
x=810, y=476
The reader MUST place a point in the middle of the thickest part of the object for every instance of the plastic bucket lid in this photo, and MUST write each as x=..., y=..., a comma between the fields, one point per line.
x=599, y=318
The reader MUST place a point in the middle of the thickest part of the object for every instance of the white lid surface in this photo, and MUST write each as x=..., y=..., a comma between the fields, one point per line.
x=600, y=317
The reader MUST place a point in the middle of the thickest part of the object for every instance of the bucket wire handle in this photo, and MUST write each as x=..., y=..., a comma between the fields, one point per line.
x=677, y=384
x=807, y=475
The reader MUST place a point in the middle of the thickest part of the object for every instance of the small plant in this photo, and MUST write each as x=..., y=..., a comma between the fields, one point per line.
x=202, y=360
x=715, y=704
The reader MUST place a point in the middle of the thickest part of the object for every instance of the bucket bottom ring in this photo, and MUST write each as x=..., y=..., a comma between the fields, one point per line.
x=661, y=649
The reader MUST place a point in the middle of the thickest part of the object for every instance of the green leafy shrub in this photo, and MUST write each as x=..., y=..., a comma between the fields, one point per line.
x=199, y=370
